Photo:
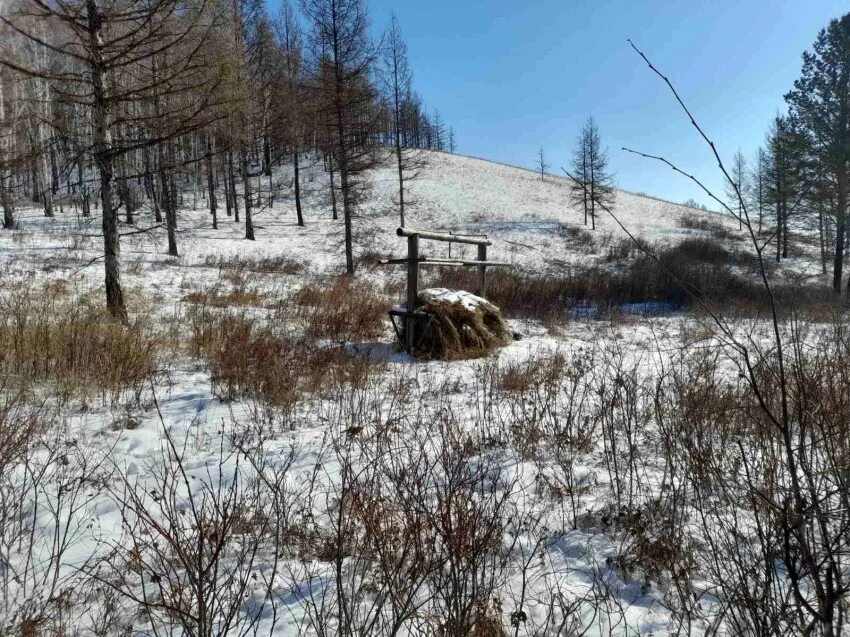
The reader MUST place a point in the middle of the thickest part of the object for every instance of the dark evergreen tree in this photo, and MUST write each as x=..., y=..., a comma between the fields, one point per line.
x=820, y=105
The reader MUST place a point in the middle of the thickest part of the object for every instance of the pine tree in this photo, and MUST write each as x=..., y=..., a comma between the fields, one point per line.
x=820, y=104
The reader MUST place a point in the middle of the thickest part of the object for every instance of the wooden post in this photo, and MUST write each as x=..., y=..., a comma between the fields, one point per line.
x=482, y=270
x=412, y=287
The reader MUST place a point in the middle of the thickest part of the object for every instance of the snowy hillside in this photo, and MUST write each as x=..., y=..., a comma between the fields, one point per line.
x=531, y=224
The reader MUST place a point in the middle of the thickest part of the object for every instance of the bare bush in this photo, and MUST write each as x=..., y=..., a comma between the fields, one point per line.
x=250, y=357
x=192, y=543
x=344, y=310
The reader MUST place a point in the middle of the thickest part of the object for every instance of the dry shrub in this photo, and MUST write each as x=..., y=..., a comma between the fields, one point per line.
x=727, y=279
x=653, y=547
x=250, y=358
x=343, y=310
x=624, y=248
x=21, y=421
x=717, y=229
x=215, y=296
x=536, y=371
x=47, y=335
x=517, y=293
x=454, y=331
x=579, y=238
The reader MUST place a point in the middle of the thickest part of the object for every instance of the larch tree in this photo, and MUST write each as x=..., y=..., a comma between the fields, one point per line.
x=737, y=186
x=292, y=111
x=593, y=184
x=439, y=133
x=397, y=79
x=820, y=103
x=102, y=51
x=344, y=57
x=542, y=166
x=8, y=125
x=757, y=186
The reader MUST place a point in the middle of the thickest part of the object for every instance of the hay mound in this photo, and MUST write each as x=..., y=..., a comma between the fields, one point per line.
x=459, y=325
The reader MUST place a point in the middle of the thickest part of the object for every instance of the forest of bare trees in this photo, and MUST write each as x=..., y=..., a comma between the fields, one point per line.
x=116, y=108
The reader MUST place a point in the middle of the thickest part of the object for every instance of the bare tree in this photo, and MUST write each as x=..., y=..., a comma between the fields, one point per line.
x=104, y=48
x=398, y=83
x=542, y=166
x=344, y=57
x=593, y=185
x=290, y=41
x=757, y=186
x=739, y=182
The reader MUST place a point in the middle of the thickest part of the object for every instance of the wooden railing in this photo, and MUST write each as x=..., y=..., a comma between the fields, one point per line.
x=414, y=261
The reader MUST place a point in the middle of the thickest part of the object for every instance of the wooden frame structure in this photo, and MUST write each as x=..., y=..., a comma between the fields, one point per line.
x=414, y=261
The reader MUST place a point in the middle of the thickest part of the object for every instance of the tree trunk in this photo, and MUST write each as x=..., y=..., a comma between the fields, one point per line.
x=211, y=184
x=168, y=203
x=840, y=230
x=6, y=202
x=103, y=159
x=784, y=229
x=822, y=237
x=228, y=205
x=5, y=195
x=297, y=185
x=398, y=151
x=333, y=188
x=44, y=192
x=246, y=184
x=267, y=156
x=346, y=194
x=233, y=196
x=83, y=188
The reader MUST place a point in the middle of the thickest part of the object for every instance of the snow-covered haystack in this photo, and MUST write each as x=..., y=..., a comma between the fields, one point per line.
x=460, y=325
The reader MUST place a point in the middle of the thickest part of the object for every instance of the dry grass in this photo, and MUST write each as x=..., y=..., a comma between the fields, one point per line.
x=714, y=227
x=455, y=332
x=516, y=293
x=241, y=295
x=726, y=279
x=48, y=335
x=252, y=358
x=342, y=310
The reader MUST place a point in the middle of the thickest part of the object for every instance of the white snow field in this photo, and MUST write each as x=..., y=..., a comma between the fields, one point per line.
x=554, y=562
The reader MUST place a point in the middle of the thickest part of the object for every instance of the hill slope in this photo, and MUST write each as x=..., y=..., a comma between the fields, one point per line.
x=531, y=223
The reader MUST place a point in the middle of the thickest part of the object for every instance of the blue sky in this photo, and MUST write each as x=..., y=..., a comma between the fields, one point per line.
x=512, y=75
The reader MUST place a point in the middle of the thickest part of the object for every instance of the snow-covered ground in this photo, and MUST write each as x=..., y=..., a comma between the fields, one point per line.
x=531, y=223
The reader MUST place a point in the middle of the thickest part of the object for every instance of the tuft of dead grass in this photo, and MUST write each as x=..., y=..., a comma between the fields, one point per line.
x=263, y=265
x=454, y=331
x=342, y=310
x=48, y=335
x=216, y=296
x=252, y=358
